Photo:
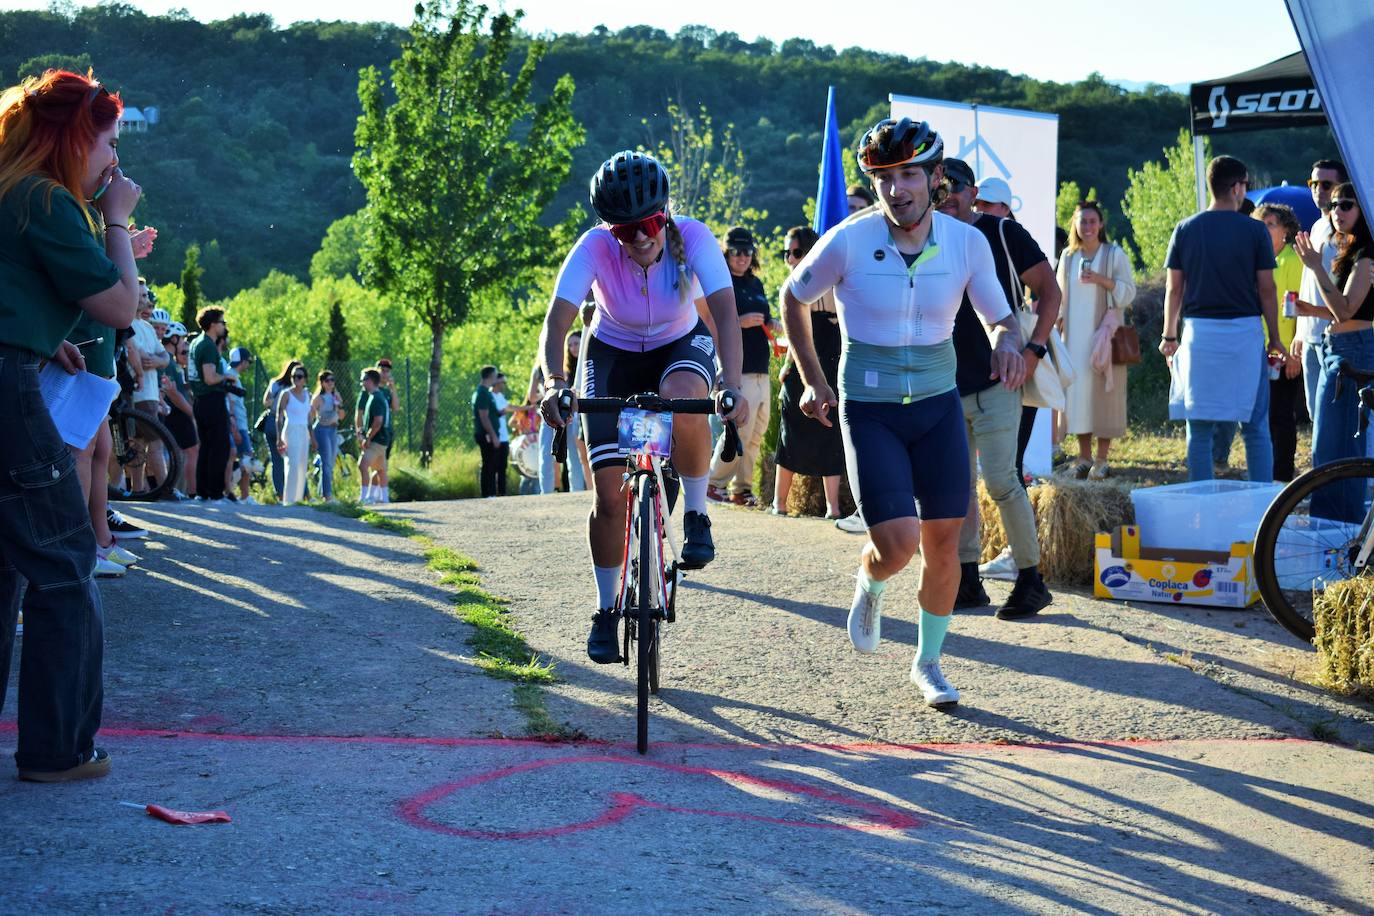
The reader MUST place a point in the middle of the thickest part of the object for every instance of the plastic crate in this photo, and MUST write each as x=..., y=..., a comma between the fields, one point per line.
x=1202, y=515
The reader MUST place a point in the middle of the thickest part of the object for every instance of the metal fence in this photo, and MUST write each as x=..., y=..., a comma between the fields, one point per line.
x=453, y=419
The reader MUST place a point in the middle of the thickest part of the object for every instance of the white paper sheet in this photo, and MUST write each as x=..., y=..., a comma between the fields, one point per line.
x=78, y=403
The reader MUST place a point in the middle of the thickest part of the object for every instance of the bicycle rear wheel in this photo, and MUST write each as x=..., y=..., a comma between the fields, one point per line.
x=1310, y=538
x=143, y=449
x=646, y=660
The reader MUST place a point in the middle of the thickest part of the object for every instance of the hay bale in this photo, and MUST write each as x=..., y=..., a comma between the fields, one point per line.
x=1344, y=616
x=1068, y=515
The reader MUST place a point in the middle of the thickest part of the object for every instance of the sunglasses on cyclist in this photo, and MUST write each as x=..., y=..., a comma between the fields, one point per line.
x=1314, y=184
x=794, y=252
x=1345, y=205
x=650, y=225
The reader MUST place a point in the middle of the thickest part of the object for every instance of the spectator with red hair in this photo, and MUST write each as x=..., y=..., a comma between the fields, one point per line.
x=64, y=229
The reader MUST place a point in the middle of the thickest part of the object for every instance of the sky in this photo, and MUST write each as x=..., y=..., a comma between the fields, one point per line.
x=1164, y=41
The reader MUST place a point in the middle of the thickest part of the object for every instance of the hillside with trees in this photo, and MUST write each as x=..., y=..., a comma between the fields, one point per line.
x=250, y=157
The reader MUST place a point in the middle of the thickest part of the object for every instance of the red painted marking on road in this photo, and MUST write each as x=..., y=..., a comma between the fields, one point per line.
x=858, y=747
x=623, y=804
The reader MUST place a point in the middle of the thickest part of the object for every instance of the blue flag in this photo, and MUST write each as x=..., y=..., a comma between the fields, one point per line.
x=832, y=204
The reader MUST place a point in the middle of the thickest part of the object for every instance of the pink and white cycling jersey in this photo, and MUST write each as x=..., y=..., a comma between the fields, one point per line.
x=639, y=309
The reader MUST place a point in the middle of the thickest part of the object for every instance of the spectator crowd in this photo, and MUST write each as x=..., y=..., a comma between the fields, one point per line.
x=1262, y=317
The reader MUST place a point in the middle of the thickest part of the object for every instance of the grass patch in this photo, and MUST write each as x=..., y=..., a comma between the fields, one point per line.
x=501, y=651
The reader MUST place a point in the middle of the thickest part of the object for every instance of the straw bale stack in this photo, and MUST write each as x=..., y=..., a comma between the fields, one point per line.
x=1068, y=514
x=1344, y=615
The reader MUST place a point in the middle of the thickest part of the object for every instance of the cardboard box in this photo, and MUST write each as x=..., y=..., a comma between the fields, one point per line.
x=1126, y=571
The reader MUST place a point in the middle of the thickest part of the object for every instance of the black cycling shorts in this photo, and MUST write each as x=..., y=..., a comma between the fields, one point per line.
x=907, y=460
x=609, y=372
x=182, y=428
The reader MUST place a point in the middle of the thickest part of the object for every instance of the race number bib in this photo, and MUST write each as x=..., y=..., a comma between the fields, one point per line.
x=644, y=432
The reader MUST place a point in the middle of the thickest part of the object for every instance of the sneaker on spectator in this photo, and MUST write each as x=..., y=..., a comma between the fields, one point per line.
x=178, y=495
x=717, y=494
x=854, y=524
x=107, y=569
x=117, y=554
x=122, y=528
x=1003, y=567
x=250, y=501
x=744, y=498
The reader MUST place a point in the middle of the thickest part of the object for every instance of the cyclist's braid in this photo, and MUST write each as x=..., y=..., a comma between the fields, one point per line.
x=678, y=249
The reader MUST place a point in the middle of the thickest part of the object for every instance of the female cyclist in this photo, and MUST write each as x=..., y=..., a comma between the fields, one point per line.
x=643, y=267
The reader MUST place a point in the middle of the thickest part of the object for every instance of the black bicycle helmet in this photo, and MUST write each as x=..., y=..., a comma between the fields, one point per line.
x=909, y=142
x=628, y=187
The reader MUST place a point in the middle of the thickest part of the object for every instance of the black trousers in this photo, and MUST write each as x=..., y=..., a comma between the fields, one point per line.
x=1023, y=436
x=212, y=422
x=46, y=539
x=493, y=469
x=1287, y=408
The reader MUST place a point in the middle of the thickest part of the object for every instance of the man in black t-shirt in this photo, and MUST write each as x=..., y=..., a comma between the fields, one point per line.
x=1221, y=278
x=755, y=321
x=992, y=413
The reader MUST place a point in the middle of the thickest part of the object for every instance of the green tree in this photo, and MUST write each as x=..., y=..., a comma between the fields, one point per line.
x=339, y=252
x=190, y=287
x=707, y=173
x=1069, y=196
x=458, y=169
x=336, y=350
x=1158, y=196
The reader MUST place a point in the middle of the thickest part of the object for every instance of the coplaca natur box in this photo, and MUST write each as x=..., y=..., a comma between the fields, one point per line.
x=1128, y=572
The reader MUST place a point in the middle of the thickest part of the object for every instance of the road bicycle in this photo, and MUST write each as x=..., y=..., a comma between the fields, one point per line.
x=141, y=443
x=1318, y=531
x=649, y=575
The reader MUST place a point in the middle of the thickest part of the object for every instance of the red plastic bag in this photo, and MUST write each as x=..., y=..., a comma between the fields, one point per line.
x=188, y=817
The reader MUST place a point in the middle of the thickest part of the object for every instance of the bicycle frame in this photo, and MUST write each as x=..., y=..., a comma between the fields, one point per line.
x=651, y=468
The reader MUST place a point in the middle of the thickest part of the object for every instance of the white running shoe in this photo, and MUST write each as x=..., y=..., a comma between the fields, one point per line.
x=866, y=619
x=854, y=524
x=107, y=569
x=1003, y=567
x=931, y=680
x=116, y=554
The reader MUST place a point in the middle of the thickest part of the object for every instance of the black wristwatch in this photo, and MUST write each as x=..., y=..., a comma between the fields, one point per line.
x=1040, y=350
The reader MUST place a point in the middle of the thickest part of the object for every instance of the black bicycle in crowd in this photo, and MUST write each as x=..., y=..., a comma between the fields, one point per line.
x=1318, y=531
x=650, y=575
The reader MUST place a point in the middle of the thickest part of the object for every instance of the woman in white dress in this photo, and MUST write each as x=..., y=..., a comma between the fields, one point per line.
x=294, y=413
x=1095, y=279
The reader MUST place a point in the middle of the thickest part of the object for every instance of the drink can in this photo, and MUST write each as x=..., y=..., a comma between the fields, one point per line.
x=1290, y=304
x=1275, y=367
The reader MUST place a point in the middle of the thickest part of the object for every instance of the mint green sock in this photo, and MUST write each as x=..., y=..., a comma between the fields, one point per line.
x=870, y=584
x=932, y=630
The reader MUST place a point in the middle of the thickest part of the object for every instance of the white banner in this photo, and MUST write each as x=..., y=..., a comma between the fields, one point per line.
x=1021, y=147
x=1336, y=34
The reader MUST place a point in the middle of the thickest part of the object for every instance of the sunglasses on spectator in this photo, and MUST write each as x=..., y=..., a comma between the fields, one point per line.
x=956, y=186
x=327, y=378
x=1314, y=184
x=740, y=252
x=1345, y=205
x=794, y=252
x=298, y=375
x=650, y=225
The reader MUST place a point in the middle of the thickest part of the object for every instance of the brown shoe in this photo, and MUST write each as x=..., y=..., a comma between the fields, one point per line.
x=94, y=767
x=744, y=499
x=717, y=495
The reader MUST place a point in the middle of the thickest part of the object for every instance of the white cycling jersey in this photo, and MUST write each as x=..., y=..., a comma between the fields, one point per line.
x=897, y=321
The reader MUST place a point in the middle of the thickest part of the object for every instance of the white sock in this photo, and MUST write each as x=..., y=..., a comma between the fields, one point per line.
x=871, y=585
x=366, y=493
x=386, y=493
x=607, y=585
x=694, y=492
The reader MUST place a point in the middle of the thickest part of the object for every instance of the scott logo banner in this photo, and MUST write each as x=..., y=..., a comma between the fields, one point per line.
x=1255, y=106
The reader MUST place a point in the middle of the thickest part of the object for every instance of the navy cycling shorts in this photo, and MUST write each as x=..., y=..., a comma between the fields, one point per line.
x=907, y=460
x=610, y=372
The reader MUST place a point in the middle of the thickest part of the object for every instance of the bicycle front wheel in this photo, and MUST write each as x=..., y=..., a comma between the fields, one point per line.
x=645, y=617
x=1310, y=538
x=146, y=455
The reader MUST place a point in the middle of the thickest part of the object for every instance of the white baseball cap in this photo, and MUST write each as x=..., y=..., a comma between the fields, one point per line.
x=994, y=191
